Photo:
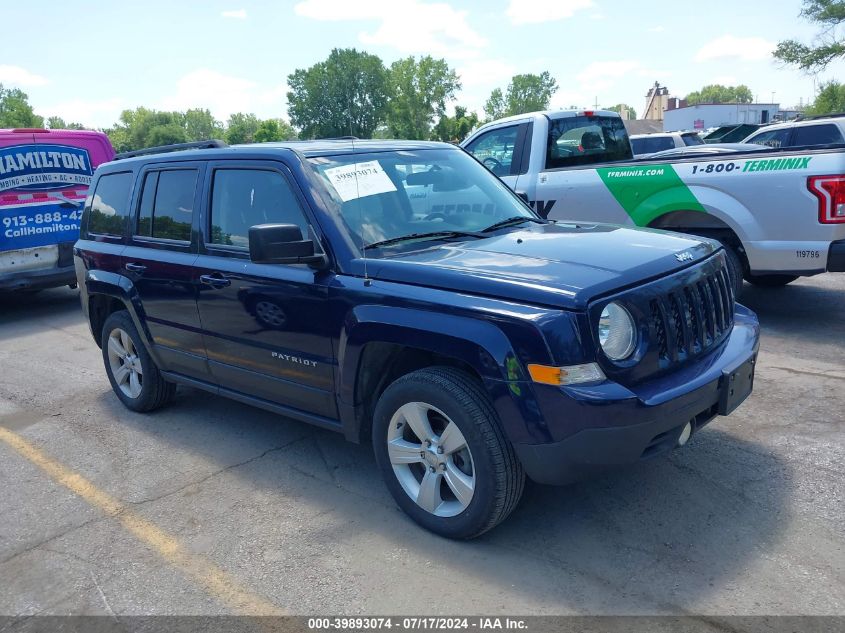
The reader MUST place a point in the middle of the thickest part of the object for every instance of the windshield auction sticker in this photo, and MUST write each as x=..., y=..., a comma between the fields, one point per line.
x=359, y=180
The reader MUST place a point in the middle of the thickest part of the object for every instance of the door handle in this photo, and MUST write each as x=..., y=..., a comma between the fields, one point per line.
x=215, y=280
x=135, y=268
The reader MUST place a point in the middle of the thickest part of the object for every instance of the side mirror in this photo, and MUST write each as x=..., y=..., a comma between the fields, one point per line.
x=282, y=244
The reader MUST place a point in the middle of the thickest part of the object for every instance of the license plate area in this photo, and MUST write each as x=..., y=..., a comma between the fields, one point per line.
x=736, y=386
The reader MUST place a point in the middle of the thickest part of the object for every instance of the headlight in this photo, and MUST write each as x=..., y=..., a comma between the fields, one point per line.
x=617, y=335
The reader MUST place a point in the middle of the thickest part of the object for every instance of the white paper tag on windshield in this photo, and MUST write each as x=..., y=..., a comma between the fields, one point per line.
x=359, y=180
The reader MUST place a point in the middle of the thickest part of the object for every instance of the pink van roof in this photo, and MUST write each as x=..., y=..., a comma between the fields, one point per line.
x=97, y=143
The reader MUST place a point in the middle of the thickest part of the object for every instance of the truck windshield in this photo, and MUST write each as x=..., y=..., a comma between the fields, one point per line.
x=585, y=140
x=425, y=194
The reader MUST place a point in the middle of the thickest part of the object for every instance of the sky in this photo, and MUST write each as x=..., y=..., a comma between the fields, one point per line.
x=87, y=60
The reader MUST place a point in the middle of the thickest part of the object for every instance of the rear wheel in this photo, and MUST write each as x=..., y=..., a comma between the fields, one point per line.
x=443, y=454
x=770, y=281
x=132, y=373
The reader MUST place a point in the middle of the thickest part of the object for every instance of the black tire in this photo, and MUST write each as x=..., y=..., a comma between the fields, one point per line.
x=735, y=268
x=770, y=281
x=155, y=390
x=498, y=474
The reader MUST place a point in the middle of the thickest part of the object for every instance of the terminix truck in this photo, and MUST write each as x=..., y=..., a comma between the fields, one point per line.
x=780, y=213
x=44, y=178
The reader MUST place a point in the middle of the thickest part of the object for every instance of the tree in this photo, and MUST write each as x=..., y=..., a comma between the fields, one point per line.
x=494, y=108
x=274, y=130
x=139, y=128
x=831, y=99
x=717, y=93
x=201, y=126
x=525, y=93
x=241, y=128
x=829, y=15
x=58, y=123
x=622, y=107
x=419, y=92
x=15, y=111
x=347, y=94
x=455, y=129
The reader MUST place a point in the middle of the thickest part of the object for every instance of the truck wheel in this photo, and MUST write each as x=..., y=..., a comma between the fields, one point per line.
x=132, y=373
x=443, y=454
x=735, y=268
x=770, y=281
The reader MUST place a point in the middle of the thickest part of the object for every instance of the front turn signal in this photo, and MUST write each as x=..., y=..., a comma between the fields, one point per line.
x=571, y=375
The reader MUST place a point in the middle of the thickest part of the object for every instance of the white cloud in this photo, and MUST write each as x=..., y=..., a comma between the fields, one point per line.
x=94, y=113
x=235, y=14
x=17, y=76
x=534, y=11
x=731, y=46
x=410, y=26
x=486, y=72
x=657, y=29
x=224, y=95
x=725, y=80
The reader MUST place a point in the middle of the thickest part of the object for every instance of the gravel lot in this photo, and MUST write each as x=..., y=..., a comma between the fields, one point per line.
x=210, y=506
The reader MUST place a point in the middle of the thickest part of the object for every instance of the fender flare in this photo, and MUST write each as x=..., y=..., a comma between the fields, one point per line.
x=120, y=287
x=479, y=344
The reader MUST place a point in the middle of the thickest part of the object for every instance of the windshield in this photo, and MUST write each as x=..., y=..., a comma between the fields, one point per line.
x=387, y=195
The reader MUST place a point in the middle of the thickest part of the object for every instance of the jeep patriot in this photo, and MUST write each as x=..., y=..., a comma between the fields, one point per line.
x=473, y=344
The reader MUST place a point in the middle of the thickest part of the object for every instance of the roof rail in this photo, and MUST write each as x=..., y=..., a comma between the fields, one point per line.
x=339, y=138
x=833, y=115
x=163, y=149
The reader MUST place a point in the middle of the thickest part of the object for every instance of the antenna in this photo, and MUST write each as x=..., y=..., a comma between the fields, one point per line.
x=367, y=281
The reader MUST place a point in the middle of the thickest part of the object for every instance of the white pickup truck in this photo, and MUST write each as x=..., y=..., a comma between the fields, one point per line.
x=780, y=214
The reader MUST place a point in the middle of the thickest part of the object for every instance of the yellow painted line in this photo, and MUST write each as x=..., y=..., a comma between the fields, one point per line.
x=206, y=574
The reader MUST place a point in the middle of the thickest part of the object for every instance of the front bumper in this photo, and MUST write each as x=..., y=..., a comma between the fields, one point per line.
x=836, y=257
x=617, y=426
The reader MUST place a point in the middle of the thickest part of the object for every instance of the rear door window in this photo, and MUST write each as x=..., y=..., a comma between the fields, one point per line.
x=692, y=139
x=495, y=149
x=826, y=134
x=110, y=204
x=585, y=140
x=652, y=144
x=771, y=138
x=167, y=204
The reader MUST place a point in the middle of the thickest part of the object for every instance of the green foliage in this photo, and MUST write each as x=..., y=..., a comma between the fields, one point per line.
x=15, y=110
x=201, y=126
x=831, y=99
x=241, y=128
x=419, y=91
x=717, y=93
x=632, y=114
x=829, y=15
x=347, y=94
x=525, y=93
x=274, y=130
x=58, y=123
x=494, y=108
x=455, y=129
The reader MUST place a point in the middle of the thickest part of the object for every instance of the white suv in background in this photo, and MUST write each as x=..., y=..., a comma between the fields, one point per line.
x=643, y=144
x=821, y=130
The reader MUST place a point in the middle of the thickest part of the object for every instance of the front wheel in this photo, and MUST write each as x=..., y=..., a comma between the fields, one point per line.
x=443, y=455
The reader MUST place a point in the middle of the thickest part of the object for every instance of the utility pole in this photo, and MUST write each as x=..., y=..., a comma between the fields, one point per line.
x=597, y=103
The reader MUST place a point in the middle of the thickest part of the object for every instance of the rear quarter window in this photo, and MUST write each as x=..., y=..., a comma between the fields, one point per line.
x=109, y=208
x=827, y=134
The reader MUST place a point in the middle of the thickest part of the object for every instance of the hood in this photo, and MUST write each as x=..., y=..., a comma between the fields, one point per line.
x=560, y=265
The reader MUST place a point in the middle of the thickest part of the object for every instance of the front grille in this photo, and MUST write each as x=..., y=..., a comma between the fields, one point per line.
x=689, y=320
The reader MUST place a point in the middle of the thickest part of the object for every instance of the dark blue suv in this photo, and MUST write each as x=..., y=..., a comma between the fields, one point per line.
x=399, y=293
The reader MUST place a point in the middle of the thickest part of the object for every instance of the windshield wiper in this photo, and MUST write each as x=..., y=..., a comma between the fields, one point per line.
x=422, y=236
x=517, y=219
